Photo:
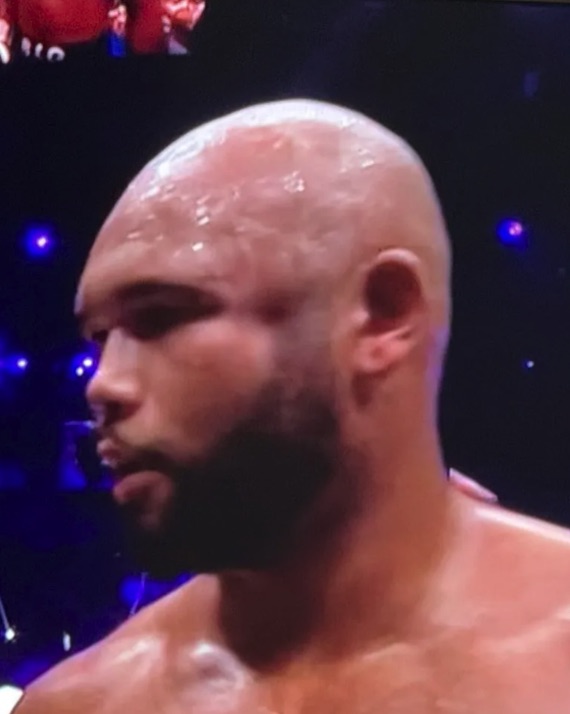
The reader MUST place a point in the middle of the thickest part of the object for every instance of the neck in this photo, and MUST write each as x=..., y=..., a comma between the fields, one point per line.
x=360, y=584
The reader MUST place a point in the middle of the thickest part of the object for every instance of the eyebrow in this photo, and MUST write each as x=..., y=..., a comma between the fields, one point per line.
x=148, y=290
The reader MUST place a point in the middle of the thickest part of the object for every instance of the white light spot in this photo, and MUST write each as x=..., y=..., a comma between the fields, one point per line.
x=9, y=697
x=163, y=170
x=9, y=634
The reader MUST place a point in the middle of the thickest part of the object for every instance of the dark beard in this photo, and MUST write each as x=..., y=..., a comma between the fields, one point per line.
x=243, y=506
x=238, y=511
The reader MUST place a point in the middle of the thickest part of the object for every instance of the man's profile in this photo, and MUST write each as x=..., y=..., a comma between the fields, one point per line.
x=271, y=298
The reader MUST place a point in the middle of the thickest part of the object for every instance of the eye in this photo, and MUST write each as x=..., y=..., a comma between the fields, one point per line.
x=156, y=321
x=151, y=322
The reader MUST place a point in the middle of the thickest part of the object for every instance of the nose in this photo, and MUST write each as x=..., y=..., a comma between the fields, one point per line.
x=114, y=390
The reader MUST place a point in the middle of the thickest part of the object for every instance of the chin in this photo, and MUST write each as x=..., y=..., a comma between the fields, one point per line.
x=225, y=514
x=166, y=548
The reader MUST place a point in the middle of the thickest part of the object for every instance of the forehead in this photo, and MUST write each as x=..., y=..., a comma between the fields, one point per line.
x=122, y=264
x=257, y=209
x=230, y=225
x=221, y=257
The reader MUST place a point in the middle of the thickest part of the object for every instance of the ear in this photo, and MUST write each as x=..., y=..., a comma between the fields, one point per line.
x=392, y=306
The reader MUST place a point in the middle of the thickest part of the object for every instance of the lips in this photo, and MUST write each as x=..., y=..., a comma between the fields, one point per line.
x=119, y=463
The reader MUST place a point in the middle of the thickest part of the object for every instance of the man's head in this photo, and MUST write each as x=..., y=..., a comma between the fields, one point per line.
x=271, y=300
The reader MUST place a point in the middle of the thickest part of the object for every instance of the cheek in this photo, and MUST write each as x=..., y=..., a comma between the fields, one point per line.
x=206, y=378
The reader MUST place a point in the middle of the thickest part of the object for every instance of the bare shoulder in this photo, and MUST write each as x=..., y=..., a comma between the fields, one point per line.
x=66, y=689
x=533, y=559
x=526, y=536
x=128, y=658
x=83, y=682
x=523, y=563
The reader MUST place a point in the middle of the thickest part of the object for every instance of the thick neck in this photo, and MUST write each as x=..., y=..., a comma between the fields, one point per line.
x=362, y=583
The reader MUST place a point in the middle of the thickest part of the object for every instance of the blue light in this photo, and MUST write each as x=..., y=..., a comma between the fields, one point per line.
x=83, y=365
x=130, y=590
x=137, y=590
x=117, y=46
x=14, y=364
x=39, y=242
x=512, y=233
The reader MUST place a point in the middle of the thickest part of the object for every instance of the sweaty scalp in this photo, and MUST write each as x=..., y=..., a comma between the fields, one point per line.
x=318, y=188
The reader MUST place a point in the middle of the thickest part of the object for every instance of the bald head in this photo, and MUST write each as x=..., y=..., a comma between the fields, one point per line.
x=318, y=188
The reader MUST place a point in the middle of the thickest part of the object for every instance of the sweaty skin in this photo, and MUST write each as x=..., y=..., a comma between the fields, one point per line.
x=314, y=259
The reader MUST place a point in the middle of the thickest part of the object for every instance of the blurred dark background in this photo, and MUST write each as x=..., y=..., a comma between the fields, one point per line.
x=480, y=89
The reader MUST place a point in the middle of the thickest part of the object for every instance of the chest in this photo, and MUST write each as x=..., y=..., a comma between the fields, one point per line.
x=506, y=678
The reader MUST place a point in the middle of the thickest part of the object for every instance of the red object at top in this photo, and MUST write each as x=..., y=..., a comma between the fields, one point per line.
x=184, y=13
x=61, y=22
x=146, y=25
x=150, y=21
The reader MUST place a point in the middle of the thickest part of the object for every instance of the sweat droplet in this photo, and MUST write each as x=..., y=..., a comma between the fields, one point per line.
x=203, y=215
x=153, y=191
x=294, y=183
x=365, y=159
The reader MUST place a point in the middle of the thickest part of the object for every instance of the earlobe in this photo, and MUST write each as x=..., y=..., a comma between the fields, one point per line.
x=392, y=298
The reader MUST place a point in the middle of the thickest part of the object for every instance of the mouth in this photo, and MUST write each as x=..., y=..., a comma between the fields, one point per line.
x=123, y=471
x=120, y=466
